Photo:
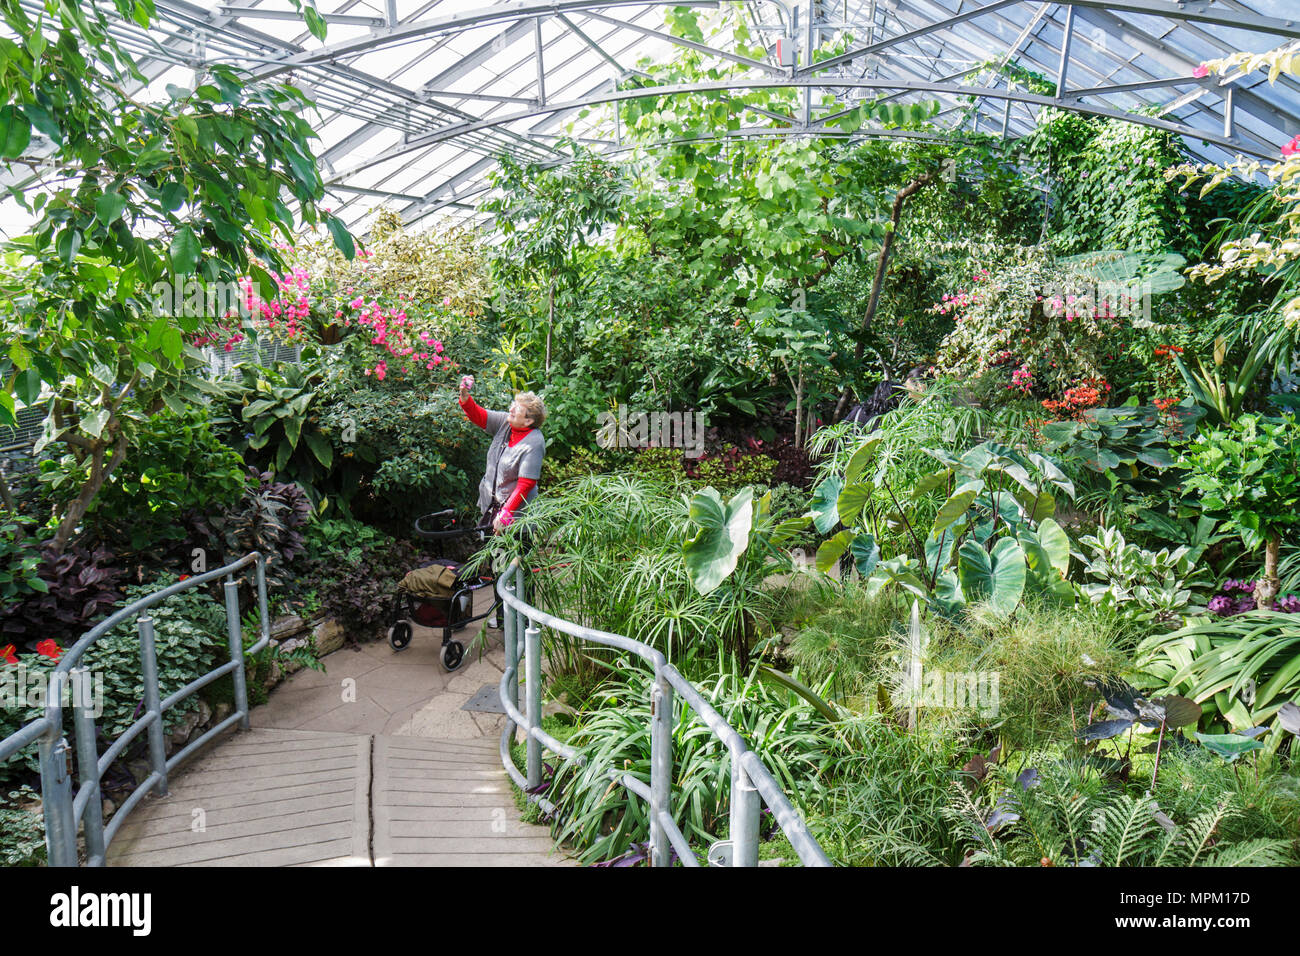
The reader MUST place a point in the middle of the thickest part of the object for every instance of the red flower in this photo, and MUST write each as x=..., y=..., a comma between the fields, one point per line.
x=7, y=654
x=183, y=577
x=48, y=648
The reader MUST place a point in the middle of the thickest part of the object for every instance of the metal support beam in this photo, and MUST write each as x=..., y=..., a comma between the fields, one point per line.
x=808, y=45
x=689, y=44
x=459, y=129
x=512, y=10
x=257, y=13
x=1061, y=77
x=541, y=65
x=600, y=50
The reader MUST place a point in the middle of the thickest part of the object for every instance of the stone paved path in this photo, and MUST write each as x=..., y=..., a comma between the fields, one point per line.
x=371, y=763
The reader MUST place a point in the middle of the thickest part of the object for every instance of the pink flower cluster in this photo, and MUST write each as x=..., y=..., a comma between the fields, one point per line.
x=212, y=338
x=289, y=308
x=391, y=329
x=1022, y=379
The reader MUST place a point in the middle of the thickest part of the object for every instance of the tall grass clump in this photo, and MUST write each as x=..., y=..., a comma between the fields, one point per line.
x=606, y=552
x=1044, y=657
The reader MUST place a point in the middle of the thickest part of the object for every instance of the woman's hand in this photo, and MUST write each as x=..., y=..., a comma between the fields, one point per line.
x=466, y=383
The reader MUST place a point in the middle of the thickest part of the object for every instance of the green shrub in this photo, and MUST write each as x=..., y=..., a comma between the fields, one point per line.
x=22, y=830
x=727, y=470
x=1042, y=656
x=846, y=640
x=20, y=561
x=1061, y=813
x=190, y=638
x=176, y=465
x=604, y=821
x=885, y=804
x=402, y=451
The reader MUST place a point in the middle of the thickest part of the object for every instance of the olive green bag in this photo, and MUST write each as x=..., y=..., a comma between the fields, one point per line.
x=435, y=581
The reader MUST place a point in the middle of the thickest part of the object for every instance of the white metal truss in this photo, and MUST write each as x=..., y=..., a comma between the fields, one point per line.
x=416, y=99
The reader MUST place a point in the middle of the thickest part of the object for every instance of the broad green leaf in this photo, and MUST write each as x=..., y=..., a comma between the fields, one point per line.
x=342, y=238
x=957, y=505
x=173, y=345
x=69, y=244
x=998, y=578
x=15, y=131
x=866, y=554
x=292, y=429
x=1056, y=543
x=184, y=251
x=27, y=386
x=1229, y=746
x=860, y=459
x=109, y=206
x=824, y=507
x=832, y=549
x=321, y=448
x=723, y=537
x=851, y=502
x=93, y=424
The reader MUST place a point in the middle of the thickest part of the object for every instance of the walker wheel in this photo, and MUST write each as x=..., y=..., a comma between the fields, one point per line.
x=453, y=652
x=399, y=635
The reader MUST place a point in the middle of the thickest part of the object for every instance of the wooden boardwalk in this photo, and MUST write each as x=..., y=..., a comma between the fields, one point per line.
x=275, y=797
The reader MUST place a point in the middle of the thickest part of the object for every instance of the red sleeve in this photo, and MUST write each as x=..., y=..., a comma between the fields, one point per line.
x=521, y=491
x=475, y=412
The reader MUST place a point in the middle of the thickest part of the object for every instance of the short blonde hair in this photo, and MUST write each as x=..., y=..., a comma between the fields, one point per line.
x=534, y=408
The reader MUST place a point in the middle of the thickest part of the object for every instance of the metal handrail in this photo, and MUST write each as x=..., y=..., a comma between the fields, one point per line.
x=751, y=781
x=62, y=809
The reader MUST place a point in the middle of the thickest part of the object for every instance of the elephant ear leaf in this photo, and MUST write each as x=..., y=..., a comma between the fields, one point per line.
x=1229, y=746
x=997, y=578
x=1056, y=543
x=825, y=505
x=866, y=554
x=723, y=536
x=832, y=549
x=1179, y=711
x=1289, y=718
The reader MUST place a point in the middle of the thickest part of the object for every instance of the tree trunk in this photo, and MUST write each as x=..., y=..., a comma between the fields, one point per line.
x=1266, y=588
x=5, y=494
x=550, y=323
x=882, y=266
x=77, y=508
x=799, y=435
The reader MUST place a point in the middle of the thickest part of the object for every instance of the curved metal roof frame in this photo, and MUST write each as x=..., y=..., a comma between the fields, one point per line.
x=416, y=98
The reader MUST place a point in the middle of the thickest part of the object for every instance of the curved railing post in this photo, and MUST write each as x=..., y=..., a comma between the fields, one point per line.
x=55, y=758
x=661, y=765
x=752, y=784
x=744, y=815
x=83, y=717
x=152, y=700
x=236, y=637
x=511, y=635
x=533, y=662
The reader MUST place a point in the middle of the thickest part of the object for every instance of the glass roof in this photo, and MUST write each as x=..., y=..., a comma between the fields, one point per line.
x=415, y=98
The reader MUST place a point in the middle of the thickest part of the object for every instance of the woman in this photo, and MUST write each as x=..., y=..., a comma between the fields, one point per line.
x=514, y=457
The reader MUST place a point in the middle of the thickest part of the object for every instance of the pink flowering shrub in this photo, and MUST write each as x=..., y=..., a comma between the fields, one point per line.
x=1030, y=326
